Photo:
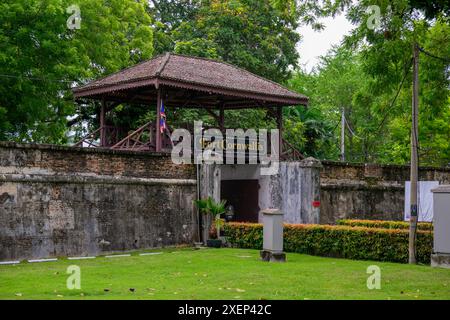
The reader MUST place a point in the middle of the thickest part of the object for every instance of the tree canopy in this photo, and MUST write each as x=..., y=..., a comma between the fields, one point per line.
x=368, y=75
x=41, y=58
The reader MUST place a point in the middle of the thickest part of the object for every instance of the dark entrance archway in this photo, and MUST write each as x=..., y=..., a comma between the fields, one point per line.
x=243, y=196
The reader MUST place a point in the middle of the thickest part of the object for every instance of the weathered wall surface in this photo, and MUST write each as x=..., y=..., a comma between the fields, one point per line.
x=58, y=201
x=364, y=191
x=292, y=190
x=357, y=191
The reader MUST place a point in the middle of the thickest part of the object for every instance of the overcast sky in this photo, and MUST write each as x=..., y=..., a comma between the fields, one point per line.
x=315, y=44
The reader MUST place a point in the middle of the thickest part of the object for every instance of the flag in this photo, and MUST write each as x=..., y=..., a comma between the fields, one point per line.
x=162, y=121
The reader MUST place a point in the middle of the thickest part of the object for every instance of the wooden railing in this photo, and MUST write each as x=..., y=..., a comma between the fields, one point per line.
x=93, y=140
x=144, y=139
x=290, y=153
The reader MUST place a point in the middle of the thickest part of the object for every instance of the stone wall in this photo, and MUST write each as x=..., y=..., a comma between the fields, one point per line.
x=60, y=201
x=365, y=191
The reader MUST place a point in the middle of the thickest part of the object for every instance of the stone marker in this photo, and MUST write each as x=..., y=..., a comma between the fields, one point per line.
x=80, y=258
x=441, y=226
x=272, y=236
x=42, y=260
x=150, y=253
x=118, y=256
x=9, y=262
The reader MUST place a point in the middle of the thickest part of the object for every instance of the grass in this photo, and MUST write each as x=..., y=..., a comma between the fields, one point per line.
x=221, y=274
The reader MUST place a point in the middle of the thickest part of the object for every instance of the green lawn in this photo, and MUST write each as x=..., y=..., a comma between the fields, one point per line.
x=221, y=274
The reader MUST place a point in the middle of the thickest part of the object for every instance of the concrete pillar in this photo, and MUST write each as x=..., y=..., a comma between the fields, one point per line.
x=310, y=190
x=270, y=195
x=210, y=177
x=441, y=225
x=272, y=236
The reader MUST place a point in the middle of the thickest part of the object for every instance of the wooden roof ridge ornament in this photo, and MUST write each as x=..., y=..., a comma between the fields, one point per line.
x=161, y=68
x=163, y=64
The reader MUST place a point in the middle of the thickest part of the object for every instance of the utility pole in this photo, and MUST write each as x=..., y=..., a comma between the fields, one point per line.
x=343, y=134
x=414, y=156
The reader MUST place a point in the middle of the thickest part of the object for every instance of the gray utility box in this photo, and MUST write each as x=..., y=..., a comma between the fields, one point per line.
x=441, y=226
x=272, y=236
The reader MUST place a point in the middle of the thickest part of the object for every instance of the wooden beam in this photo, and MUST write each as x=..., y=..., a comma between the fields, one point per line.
x=280, y=128
x=187, y=103
x=102, y=123
x=158, y=119
x=222, y=118
x=215, y=116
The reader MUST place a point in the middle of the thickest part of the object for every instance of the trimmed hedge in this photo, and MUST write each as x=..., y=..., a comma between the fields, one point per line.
x=337, y=241
x=383, y=224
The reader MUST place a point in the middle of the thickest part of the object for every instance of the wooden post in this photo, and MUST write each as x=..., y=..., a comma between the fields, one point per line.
x=280, y=129
x=102, y=123
x=414, y=157
x=222, y=128
x=222, y=119
x=158, y=120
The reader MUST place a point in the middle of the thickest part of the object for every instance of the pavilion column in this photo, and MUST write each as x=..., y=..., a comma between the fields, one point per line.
x=102, y=123
x=158, y=120
x=280, y=128
x=222, y=118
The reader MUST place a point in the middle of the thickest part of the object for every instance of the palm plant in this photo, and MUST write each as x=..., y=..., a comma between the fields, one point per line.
x=216, y=209
x=202, y=205
x=212, y=209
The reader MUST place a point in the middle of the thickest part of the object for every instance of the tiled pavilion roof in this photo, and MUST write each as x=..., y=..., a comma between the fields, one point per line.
x=223, y=82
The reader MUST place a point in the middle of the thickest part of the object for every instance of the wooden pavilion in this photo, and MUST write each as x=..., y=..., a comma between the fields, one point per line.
x=178, y=81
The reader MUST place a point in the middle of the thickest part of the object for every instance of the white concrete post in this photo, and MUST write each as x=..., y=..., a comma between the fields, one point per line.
x=272, y=236
x=441, y=226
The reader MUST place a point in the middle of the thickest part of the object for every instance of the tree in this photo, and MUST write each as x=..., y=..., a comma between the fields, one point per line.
x=251, y=34
x=168, y=15
x=371, y=75
x=432, y=9
x=387, y=61
x=41, y=59
x=330, y=87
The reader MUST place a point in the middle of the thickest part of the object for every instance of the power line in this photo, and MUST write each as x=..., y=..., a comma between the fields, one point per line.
x=351, y=131
x=433, y=55
x=396, y=95
x=337, y=125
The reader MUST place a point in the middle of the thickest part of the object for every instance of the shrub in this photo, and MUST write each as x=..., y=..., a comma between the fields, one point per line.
x=337, y=241
x=383, y=224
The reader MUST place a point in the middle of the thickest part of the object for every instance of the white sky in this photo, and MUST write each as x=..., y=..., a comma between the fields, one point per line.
x=316, y=43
